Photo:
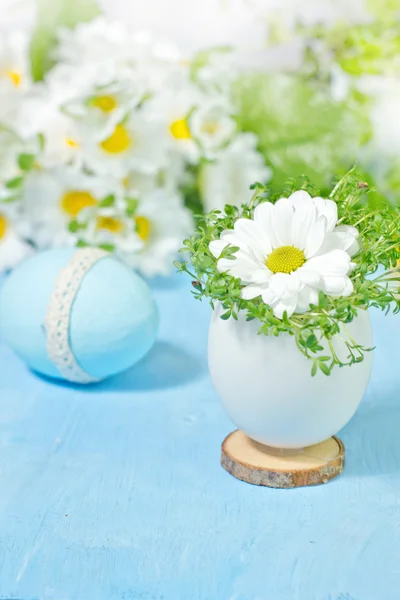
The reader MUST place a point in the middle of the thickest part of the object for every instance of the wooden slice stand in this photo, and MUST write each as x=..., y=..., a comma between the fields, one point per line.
x=255, y=463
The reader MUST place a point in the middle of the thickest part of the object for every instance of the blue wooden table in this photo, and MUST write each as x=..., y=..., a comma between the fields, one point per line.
x=114, y=491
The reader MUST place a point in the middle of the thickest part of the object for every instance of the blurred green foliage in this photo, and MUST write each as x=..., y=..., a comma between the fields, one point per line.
x=52, y=14
x=302, y=131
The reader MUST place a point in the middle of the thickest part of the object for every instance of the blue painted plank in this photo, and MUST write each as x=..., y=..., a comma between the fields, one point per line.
x=114, y=492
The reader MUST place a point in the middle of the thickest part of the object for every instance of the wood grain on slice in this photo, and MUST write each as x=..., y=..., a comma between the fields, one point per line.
x=255, y=463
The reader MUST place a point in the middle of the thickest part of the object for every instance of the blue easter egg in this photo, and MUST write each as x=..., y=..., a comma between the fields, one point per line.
x=77, y=314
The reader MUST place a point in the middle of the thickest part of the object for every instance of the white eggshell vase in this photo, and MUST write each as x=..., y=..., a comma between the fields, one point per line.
x=265, y=383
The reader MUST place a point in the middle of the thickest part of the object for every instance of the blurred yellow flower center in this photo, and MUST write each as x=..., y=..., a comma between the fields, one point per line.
x=119, y=141
x=180, y=130
x=73, y=202
x=143, y=227
x=105, y=103
x=71, y=143
x=14, y=77
x=3, y=226
x=285, y=259
x=210, y=127
x=110, y=224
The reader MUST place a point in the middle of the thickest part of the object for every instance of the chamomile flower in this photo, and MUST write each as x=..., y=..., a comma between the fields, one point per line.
x=138, y=142
x=212, y=126
x=54, y=198
x=174, y=107
x=13, y=248
x=108, y=227
x=15, y=78
x=161, y=220
x=112, y=48
x=290, y=251
x=227, y=179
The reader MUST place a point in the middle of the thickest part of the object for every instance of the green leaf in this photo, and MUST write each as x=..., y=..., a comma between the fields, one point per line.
x=74, y=226
x=14, y=183
x=324, y=368
x=131, y=206
x=311, y=341
x=322, y=300
x=50, y=15
x=107, y=247
x=107, y=201
x=314, y=369
x=82, y=244
x=26, y=161
x=226, y=315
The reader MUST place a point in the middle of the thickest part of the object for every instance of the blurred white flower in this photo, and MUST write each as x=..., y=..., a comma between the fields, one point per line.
x=113, y=49
x=212, y=125
x=15, y=78
x=162, y=222
x=53, y=198
x=138, y=142
x=13, y=248
x=109, y=227
x=227, y=179
x=174, y=108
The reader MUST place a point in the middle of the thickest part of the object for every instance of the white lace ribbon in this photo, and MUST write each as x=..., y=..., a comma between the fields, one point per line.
x=59, y=312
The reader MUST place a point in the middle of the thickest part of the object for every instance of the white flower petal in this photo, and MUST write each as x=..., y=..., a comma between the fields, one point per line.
x=287, y=305
x=261, y=275
x=248, y=232
x=309, y=276
x=282, y=218
x=303, y=219
x=300, y=197
x=337, y=286
x=315, y=237
x=333, y=264
x=252, y=291
x=327, y=209
x=305, y=297
x=263, y=216
x=243, y=266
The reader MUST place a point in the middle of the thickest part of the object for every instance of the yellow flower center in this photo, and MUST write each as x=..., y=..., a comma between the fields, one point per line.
x=73, y=202
x=119, y=141
x=285, y=259
x=14, y=77
x=180, y=130
x=143, y=227
x=71, y=143
x=210, y=127
x=3, y=226
x=105, y=103
x=110, y=224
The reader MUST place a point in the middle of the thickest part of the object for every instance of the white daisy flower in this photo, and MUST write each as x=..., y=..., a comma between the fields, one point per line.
x=110, y=47
x=109, y=227
x=41, y=115
x=174, y=107
x=15, y=78
x=89, y=90
x=138, y=142
x=212, y=125
x=290, y=251
x=54, y=198
x=161, y=223
x=227, y=179
x=13, y=248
